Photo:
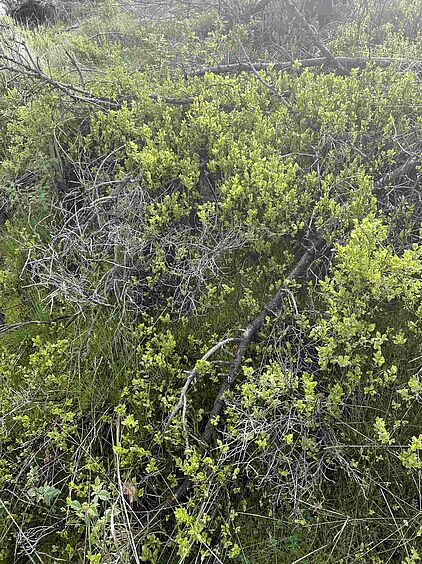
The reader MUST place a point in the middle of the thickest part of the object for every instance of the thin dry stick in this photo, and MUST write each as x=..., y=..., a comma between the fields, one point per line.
x=13, y=326
x=191, y=378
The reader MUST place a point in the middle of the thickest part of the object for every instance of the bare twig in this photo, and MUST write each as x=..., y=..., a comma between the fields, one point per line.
x=248, y=335
x=191, y=378
x=14, y=326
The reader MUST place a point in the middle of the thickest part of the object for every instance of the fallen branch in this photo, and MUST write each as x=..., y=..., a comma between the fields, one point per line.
x=251, y=331
x=317, y=62
x=34, y=72
x=26, y=66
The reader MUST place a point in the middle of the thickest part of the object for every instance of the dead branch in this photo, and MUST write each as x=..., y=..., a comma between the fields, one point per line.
x=251, y=331
x=34, y=72
x=317, y=62
x=108, y=233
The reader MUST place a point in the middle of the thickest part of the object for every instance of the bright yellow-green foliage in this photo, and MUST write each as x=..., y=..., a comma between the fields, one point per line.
x=382, y=29
x=140, y=236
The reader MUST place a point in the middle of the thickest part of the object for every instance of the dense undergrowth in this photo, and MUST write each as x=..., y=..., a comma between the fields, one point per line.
x=210, y=288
